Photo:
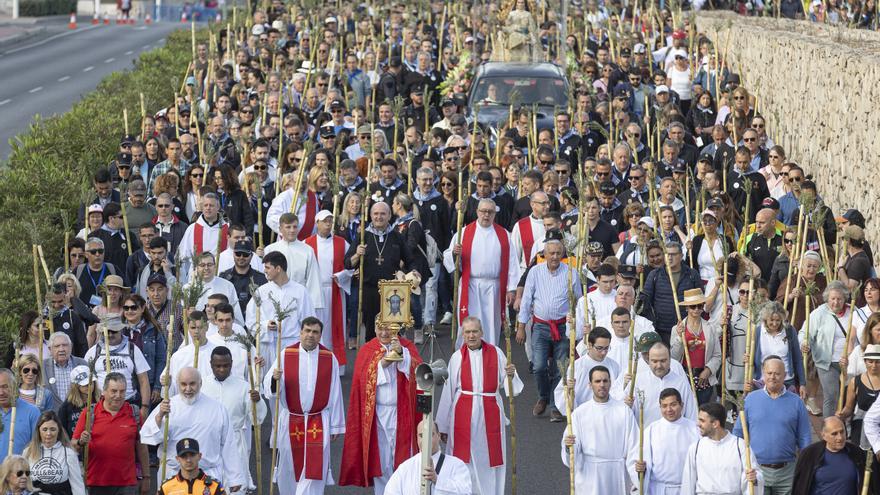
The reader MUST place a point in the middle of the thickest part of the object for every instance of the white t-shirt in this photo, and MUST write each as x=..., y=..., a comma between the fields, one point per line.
x=128, y=362
x=680, y=82
x=776, y=345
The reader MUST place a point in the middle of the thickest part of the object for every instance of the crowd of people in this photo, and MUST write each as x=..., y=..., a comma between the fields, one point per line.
x=686, y=301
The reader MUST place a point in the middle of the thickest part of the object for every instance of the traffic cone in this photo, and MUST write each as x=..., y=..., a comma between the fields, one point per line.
x=72, y=23
x=106, y=18
x=148, y=19
x=95, y=19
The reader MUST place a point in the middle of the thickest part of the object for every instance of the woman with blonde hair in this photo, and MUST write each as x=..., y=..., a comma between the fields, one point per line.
x=54, y=464
x=15, y=476
x=349, y=219
x=31, y=337
x=30, y=388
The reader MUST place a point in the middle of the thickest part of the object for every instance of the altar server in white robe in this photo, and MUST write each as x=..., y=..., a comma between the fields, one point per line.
x=623, y=298
x=596, y=355
x=225, y=336
x=716, y=463
x=307, y=377
x=290, y=296
x=185, y=355
x=652, y=379
x=212, y=284
x=335, y=283
x=449, y=477
x=666, y=442
x=226, y=260
x=236, y=396
x=307, y=206
x=605, y=439
x=208, y=234
x=302, y=265
x=619, y=323
x=192, y=414
x=489, y=271
x=471, y=411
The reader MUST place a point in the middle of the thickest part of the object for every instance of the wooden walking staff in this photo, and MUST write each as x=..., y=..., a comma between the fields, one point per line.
x=88, y=410
x=456, y=279
x=641, y=439
x=808, y=298
x=39, y=298
x=869, y=461
x=791, y=259
x=745, y=429
x=724, y=326
x=360, y=313
x=750, y=338
x=510, y=397
x=849, y=332
x=280, y=315
x=166, y=394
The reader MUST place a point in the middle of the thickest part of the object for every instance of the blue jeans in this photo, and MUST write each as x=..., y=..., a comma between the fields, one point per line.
x=545, y=354
x=351, y=311
x=416, y=306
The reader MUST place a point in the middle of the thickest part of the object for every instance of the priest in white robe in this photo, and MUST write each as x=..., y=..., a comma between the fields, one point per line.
x=306, y=373
x=302, y=265
x=652, y=378
x=236, y=396
x=212, y=284
x=195, y=415
x=489, y=271
x=289, y=295
x=624, y=298
x=596, y=355
x=185, y=355
x=448, y=474
x=208, y=234
x=666, y=442
x=335, y=282
x=227, y=337
x=716, y=462
x=620, y=322
x=605, y=439
x=471, y=412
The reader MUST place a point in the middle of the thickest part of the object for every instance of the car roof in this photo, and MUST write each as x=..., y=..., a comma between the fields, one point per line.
x=542, y=69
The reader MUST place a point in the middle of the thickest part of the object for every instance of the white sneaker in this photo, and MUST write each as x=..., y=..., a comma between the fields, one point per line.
x=419, y=335
x=815, y=410
x=447, y=318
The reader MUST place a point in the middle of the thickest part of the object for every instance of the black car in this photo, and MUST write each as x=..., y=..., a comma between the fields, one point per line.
x=498, y=84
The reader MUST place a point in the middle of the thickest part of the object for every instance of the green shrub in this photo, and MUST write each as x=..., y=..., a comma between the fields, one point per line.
x=51, y=165
x=39, y=8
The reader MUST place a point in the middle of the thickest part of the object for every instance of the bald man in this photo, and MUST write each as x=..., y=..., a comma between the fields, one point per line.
x=831, y=465
x=192, y=414
x=763, y=246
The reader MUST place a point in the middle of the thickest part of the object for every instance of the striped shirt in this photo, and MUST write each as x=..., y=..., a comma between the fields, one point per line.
x=546, y=294
x=165, y=167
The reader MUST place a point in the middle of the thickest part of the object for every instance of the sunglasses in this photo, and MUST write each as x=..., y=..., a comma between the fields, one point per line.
x=447, y=184
x=635, y=177
x=795, y=178
x=29, y=371
x=788, y=241
x=197, y=176
x=546, y=162
x=260, y=167
x=603, y=174
x=749, y=140
x=130, y=307
x=743, y=292
x=241, y=254
x=22, y=473
x=96, y=251
x=246, y=110
x=758, y=126
x=738, y=98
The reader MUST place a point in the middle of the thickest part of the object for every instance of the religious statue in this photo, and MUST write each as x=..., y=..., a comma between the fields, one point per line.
x=519, y=33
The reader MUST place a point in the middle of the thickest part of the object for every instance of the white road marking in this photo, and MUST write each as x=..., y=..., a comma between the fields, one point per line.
x=38, y=88
x=145, y=47
x=88, y=68
x=129, y=52
x=109, y=60
x=43, y=42
x=62, y=79
x=4, y=102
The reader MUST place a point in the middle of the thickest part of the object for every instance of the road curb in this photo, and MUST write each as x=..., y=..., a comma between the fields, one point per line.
x=21, y=36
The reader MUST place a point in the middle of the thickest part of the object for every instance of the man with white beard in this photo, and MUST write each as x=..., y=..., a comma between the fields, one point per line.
x=289, y=295
x=335, y=283
x=596, y=355
x=234, y=393
x=471, y=414
x=194, y=415
x=716, y=463
x=312, y=413
x=302, y=265
x=666, y=442
x=605, y=439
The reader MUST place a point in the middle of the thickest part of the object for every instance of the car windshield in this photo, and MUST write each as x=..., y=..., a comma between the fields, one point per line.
x=521, y=90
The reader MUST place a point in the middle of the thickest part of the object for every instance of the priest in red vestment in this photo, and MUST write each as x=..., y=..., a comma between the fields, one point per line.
x=382, y=415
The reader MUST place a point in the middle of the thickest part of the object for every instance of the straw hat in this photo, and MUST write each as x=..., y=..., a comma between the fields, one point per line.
x=872, y=352
x=693, y=297
x=115, y=281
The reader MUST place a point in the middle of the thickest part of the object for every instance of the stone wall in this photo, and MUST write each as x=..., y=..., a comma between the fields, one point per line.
x=817, y=85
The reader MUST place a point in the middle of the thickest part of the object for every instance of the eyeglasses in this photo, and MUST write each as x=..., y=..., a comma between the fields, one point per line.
x=603, y=174
x=77, y=255
x=260, y=167
x=447, y=184
x=743, y=292
x=197, y=176
x=22, y=473
x=795, y=178
x=95, y=251
x=29, y=371
x=163, y=206
x=758, y=126
x=130, y=307
x=737, y=98
x=749, y=140
x=635, y=177
x=246, y=110
x=240, y=254
x=546, y=162
x=636, y=215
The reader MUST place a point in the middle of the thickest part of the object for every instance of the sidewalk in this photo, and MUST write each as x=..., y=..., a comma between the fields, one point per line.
x=13, y=33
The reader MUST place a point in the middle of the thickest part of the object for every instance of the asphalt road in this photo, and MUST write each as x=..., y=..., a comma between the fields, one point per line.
x=47, y=74
x=539, y=465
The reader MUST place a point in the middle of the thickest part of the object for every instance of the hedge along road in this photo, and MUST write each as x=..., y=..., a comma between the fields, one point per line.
x=47, y=76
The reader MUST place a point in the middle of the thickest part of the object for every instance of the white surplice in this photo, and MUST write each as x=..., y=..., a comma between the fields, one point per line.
x=186, y=250
x=582, y=390
x=606, y=447
x=386, y=414
x=453, y=478
x=219, y=285
x=718, y=468
x=523, y=258
x=332, y=417
x=651, y=385
x=239, y=354
x=292, y=296
x=234, y=394
x=184, y=357
x=484, y=298
x=282, y=204
x=485, y=479
x=206, y=421
x=302, y=267
x=665, y=445
x=343, y=281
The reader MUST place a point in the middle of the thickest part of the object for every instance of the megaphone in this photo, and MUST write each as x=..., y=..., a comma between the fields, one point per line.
x=431, y=375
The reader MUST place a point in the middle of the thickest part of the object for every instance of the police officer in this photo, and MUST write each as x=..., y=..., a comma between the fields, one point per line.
x=414, y=113
x=190, y=480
